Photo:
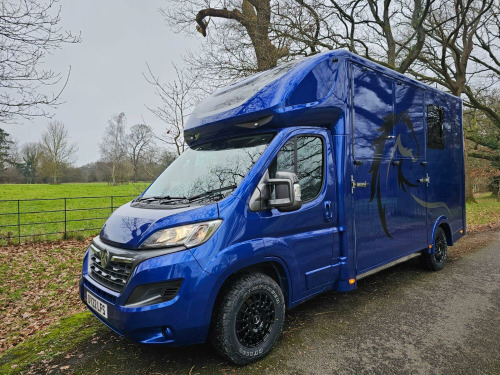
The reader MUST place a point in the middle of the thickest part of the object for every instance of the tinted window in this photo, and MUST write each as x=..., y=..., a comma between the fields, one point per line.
x=302, y=155
x=435, y=126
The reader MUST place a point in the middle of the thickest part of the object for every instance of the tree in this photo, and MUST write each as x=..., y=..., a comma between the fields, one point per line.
x=140, y=141
x=57, y=152
x=30, y=154
x=248, y=30
x=254, y=35
x=30, y=30
x=446, y=56
x=179, y=99
x=5, y=149
x=114, y=146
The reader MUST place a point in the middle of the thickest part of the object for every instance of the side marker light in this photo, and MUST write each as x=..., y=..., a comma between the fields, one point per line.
x=352, y=281
x=430, y=246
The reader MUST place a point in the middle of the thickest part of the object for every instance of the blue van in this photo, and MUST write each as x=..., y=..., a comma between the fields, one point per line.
x=298, y=180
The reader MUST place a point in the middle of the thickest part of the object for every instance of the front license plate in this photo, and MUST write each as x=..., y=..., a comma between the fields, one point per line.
x=96, y=304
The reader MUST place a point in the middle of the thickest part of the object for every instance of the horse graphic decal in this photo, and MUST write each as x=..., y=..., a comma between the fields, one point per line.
x=378, y=145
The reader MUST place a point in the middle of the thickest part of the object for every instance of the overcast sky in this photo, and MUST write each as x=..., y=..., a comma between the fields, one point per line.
x=118, y=38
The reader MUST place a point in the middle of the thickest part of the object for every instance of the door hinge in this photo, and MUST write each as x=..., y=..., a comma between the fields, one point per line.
x=355, y=184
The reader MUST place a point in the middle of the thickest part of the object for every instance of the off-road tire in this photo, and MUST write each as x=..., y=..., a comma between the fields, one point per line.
x=250, y=298
x=436, y=260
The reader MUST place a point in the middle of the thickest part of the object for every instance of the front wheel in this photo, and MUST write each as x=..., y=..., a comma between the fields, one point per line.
x=248, y=322
x=436, y=260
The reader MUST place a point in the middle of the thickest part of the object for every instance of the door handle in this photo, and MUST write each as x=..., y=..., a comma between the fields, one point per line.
x=425, y=179
x=327, y=211
x=355, y=184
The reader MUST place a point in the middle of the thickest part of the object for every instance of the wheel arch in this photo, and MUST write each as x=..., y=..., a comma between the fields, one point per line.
x=272, y=267
x=441, y=222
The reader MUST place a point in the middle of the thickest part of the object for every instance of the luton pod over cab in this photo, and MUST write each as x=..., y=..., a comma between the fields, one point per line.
x=298, y=180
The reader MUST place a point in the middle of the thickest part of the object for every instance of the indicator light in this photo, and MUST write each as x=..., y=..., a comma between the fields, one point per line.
x=430, y=246
x=352, y=281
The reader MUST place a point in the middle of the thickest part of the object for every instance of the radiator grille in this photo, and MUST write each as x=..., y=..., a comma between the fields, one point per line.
x=114, y=275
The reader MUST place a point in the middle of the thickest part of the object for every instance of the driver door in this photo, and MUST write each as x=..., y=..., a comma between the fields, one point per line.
x=306, y=238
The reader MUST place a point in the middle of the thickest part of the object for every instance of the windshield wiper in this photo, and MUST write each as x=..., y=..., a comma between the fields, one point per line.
x=160, y=198
x=211, y=192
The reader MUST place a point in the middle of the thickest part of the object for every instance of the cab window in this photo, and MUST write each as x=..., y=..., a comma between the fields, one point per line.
x=302, y=155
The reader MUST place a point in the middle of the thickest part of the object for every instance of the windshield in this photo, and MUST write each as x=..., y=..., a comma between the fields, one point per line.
x=215, y=167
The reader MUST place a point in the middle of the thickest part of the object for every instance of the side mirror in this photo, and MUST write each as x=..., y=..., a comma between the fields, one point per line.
x=286, y=191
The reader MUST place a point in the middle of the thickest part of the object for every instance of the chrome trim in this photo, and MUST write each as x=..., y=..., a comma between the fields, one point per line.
x=119, y=259
x=114, y=258
x=388, y=265
x=95, y=249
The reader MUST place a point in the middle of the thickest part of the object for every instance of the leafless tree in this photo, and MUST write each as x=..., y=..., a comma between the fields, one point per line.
x=179, y=97
x=56, y=150
x=139, y=141
x=29, y=31
x=242, y=30
x=254, y=35
x=445, y=58
x=113, y=146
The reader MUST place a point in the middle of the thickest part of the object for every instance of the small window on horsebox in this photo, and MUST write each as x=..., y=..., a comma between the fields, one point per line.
x=315, y=85
x=435, y=126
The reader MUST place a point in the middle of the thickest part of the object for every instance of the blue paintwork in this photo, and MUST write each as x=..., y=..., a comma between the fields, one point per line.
x=344, y=99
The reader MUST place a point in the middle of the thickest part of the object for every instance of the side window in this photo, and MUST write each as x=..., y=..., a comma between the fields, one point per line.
x=304, y=156
x=435, y=126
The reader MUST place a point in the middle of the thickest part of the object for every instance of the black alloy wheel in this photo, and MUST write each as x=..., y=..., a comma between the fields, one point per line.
x=255, y=319
x=248, y=318
x=437, y=259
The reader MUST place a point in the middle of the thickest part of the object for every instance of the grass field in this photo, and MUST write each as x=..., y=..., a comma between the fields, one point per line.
x=84, y=216
x=78, y=213
x=484, y=214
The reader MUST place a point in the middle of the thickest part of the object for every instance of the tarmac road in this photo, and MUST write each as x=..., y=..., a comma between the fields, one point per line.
x=404, y=320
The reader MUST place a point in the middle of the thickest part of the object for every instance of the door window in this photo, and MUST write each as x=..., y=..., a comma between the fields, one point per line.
x=435, y=126
x=302, y=155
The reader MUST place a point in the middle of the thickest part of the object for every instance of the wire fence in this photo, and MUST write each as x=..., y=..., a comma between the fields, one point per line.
x=30, y=220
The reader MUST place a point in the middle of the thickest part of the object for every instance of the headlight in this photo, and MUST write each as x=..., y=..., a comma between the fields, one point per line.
x=186, y=235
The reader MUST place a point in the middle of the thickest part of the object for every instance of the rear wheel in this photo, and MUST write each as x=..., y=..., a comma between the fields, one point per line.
x=436, y=260
x=249, y=320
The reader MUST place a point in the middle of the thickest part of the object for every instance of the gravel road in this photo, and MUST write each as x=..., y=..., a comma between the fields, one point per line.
x=404, y=320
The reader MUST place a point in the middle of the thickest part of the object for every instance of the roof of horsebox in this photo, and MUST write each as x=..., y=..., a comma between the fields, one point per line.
x=299, y=92
x=265, y=92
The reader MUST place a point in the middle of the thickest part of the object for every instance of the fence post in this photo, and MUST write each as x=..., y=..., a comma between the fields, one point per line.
x=18, y=223
x=65, y=231
x=111, y=204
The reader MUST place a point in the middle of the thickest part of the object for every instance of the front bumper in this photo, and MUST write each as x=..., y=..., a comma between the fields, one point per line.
x=184, y=320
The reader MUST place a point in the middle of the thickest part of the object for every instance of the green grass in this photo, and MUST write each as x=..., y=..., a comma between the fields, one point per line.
x=97, y=209
x=483, y=214
x=61, y=337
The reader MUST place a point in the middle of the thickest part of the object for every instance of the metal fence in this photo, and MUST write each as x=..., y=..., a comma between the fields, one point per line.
x=25, y=220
